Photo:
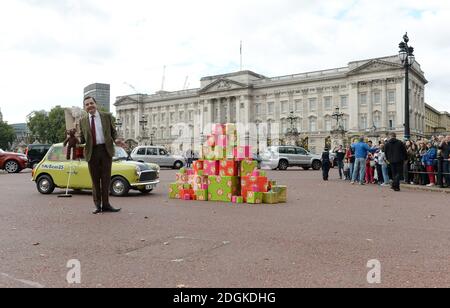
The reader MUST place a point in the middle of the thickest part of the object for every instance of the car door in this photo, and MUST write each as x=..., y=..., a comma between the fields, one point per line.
x=289, y=152
x=302, y=156
x=140, y=154
x=164, y=159
x=152, y=156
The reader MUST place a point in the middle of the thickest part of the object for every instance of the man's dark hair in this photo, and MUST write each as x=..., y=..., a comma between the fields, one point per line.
x=88, y=97
x=392, y=135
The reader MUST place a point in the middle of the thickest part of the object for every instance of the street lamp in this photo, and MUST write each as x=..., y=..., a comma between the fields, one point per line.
x=406, y=55
x=152, y=135
x=292, y=131
x=338, y=116
x=257, y=138
x=143, y=122
x=118, y=125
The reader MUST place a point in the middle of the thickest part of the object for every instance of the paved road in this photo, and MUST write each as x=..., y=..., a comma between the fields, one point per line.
x=323, y=237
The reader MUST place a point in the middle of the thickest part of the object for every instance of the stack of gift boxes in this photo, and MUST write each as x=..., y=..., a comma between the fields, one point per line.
x=226, y=172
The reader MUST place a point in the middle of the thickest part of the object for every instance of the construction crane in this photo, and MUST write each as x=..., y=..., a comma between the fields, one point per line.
x=186, y=83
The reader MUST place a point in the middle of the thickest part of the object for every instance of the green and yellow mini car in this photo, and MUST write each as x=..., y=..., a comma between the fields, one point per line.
x=53, y=171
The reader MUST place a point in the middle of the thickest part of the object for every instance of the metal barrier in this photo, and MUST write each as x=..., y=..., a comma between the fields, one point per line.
x=439, y=174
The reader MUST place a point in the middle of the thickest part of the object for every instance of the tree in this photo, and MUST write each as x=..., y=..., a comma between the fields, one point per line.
x=49, y=128
x=7, y=135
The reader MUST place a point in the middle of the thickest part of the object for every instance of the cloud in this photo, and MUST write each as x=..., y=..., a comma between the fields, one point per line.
x=50, y=50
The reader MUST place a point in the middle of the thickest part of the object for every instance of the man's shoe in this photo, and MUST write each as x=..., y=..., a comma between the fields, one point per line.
x=396, y=189
x=110, y=209
x=96, y=211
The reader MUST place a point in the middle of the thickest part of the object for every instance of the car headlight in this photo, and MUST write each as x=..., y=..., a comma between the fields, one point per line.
x=138, y=171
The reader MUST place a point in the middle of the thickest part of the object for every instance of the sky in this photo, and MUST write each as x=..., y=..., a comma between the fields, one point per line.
x=51, y=49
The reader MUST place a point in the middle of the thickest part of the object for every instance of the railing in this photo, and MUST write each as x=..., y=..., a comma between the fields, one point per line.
x=439, y=174
x=330, y=72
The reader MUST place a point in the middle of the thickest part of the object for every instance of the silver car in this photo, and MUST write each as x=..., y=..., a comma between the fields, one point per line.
x=157, y=155
x=283, y=157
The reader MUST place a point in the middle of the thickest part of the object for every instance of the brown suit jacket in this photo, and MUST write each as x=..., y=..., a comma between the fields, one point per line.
x=109, y=131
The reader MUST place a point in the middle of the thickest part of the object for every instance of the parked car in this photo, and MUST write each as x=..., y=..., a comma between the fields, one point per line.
x=12, y=162
x=35, y=153
x=283, y=157
x=54, y=169
x=157, y=155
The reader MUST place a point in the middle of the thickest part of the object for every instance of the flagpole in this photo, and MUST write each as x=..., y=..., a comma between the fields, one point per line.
x=241, y=56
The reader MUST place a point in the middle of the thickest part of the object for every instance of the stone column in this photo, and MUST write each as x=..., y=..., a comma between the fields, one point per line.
x=384, y=105
x=400, y=103
x=228, y=102
x=353, y=107
x=370, y=105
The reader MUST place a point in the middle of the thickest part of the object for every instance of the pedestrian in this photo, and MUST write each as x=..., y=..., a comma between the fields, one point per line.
x=340, y=156
x=428, y=161
x=350, y=156
x=99, y=136
x=326, y=164
x=395, y=151
x=384, y=166
x=444, y=146
x=370, y=166
x=361, y=151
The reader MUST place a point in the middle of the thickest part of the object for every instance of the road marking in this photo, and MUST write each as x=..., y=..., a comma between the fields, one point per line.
x=25, y=282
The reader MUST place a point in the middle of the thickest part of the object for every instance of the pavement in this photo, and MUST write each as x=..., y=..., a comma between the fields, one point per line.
x=323, y=237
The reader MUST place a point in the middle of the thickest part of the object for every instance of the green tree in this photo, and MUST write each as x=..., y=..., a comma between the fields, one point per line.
x=7, y=135
x=38, y=126
x=49, y=128
x=57, y=123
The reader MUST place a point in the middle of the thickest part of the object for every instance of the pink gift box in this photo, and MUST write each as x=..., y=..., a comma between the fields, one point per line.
x=222, y=141
x=243, y=152
x=190, y=172
x=187, y=197
x=255, y=173
x=255, y=188
x=204, y=186
x=211, y=141
x=219, y=129
x=211, y=167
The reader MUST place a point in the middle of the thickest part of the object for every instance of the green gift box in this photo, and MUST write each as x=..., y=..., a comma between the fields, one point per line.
x=239, y=199
x=174, y=191
x=187, y=186
x=281, y=191
x=254, y=197
x=183, y=171
x=200, y=172
x=220, y=152
x=201, y=195
x=229, y=152
x=248, y=166
x=262, y=173
x=271, y=198
x=222, y=188
x=210, y=153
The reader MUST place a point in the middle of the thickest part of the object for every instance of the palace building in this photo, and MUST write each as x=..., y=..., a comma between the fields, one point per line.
x=370, y=94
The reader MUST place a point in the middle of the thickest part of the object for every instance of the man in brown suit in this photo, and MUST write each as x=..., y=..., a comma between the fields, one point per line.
x=99, y=136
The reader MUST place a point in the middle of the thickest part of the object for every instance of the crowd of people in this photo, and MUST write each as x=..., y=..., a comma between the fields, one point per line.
x=392, y=161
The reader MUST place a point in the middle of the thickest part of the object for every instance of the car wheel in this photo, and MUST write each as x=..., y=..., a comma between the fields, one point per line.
x=119, y=187
x=283, y=164
x=45, y=185
x=145, y=191
x=12, y=166
x=316, y=165
x=178, y=165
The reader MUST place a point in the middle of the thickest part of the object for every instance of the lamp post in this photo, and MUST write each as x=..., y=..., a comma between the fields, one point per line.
x=292, y=131
x=143, y=122
x=118, y=125
x=406, y=55
x=257, y=138
x=338, y=116
x=152, y=135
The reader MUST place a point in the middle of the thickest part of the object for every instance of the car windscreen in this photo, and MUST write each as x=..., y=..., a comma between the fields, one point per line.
x=120, y=153
x=57, y=153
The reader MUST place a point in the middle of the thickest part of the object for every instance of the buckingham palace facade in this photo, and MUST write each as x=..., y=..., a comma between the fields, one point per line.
x=370, y=95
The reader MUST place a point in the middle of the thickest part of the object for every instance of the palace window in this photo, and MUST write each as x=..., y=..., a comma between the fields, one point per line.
x=312, y=104
x=328, y=124
x=344, y=101
x=363, y=99
x=298, y=105
x=312, y=124
x=363, y=122
x=328, y=103
x=391, y=96
x=377, y=98
x=270, y=108
x=284, y=107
